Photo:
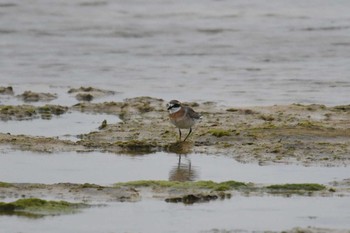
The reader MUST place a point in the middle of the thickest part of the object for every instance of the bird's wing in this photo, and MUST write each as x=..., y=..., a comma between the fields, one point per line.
x=193, y=114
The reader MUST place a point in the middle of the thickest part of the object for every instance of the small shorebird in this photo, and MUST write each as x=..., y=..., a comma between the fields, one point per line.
x=183, y=117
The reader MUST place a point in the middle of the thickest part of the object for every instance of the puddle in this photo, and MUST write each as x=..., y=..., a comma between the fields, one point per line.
x=248, y=213
x=106, y=168
x=65, y=126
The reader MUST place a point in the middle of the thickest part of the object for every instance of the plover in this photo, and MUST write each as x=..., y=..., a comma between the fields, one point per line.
x=183, y=117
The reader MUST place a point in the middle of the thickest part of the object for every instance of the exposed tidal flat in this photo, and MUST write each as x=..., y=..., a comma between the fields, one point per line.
x=296, y=133
x=127, y=152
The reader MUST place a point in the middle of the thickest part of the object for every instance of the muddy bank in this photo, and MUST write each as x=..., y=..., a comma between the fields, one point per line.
x=302, y=134
x=89, y=93
x=68, y=191
x=36, y=208
x=169, y=191
x=29, y=112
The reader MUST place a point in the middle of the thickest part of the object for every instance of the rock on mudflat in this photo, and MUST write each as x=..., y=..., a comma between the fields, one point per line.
x=29, y=96
x=6, y=91
x=89, y=93
x=69, y=191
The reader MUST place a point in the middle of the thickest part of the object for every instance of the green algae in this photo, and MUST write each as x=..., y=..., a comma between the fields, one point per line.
x=308, y=124
x=211, y=185
x=297, y=187
x=39, y=206
x=6, y=185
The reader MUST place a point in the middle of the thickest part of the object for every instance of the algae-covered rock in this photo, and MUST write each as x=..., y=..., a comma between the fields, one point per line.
x=6, y=90
x=29, y=96
x=189, y=199
x=5, y=185
x=39, y=206
x=84, y=97
x=133, y=146
x=219, y=132
x=103, y=125
x=85, y=192
x=47, y=111
x=204, y=184
x=18, y=112
x=27, y=112
x=89, y=93
x=297, y=187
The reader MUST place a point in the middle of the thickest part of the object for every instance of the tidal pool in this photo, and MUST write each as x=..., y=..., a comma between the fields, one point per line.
x=65, y=126
x=239, y=213
x=107, y=168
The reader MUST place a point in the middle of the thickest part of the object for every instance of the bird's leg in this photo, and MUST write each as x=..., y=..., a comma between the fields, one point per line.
x=179, y=134
x=188, y=134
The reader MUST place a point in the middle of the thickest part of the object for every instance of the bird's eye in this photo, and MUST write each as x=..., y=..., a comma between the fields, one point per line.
x=176, y=105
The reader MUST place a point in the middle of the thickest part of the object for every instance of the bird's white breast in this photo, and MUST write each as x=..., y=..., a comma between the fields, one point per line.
x=174, y=110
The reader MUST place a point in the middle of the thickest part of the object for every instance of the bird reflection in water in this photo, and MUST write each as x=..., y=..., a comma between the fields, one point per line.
x=183, y=171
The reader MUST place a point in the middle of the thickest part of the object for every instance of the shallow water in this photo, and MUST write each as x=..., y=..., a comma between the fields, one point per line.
x=238, y=213
x=66, y=126
x=105, y=168
x=230, y=52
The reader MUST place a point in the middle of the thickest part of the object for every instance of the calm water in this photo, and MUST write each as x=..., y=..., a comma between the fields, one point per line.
x=232, y=52
x=105, y=168
x=66, y=126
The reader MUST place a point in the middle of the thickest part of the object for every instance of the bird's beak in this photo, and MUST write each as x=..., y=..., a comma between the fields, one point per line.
x=169, y=106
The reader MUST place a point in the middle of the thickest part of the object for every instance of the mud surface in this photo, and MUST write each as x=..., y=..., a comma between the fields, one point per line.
x=169, y=191
x=301, y=134
x=68, y=191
